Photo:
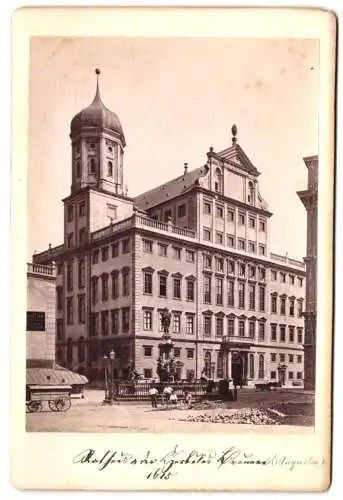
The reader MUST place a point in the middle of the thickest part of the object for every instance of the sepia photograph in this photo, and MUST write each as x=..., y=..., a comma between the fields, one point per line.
x=172, y=239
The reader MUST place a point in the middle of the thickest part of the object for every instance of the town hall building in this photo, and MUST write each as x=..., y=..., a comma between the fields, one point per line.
x=198, y=245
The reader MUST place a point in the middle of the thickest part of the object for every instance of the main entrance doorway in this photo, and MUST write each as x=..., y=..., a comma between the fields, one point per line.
x=239, y=367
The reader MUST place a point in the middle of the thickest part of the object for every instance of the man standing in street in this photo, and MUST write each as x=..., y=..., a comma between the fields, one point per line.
x=153, y=395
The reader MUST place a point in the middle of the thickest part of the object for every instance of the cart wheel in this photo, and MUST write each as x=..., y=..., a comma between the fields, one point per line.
x=34, y=406
x=52, y=405
x=59, y=405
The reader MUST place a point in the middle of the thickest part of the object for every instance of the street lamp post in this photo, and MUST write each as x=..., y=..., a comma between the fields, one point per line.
x=112, y=358
x=109, y=382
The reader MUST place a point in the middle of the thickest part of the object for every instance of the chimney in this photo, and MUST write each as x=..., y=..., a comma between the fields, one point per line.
x=186, y=168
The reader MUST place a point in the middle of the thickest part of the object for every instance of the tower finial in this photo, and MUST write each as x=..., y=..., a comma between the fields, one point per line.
x=97, y=93
x=234, y=133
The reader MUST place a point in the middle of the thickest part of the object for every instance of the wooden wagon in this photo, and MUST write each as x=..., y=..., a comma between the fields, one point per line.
x=57, y=396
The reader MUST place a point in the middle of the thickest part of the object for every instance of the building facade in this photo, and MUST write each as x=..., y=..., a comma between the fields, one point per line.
x=309, y=198
x=41, y=316
x=197, y=245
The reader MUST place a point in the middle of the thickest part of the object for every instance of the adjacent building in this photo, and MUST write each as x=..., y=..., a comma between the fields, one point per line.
x=309, y=198
x=198, y=245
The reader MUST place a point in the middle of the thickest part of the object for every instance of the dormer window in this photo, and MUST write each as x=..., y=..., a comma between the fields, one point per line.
x=92, y=166
x=110, y=169
x=218, y=181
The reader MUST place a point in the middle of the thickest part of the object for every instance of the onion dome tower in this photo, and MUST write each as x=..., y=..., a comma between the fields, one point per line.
x=97, y=147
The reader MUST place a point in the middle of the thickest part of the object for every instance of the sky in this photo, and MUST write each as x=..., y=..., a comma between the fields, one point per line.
x=175, y=98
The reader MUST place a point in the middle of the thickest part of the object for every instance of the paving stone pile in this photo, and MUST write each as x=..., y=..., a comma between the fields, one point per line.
x=253, y=416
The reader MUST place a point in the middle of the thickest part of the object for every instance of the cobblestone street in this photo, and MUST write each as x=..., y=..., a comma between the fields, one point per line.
x=89, y=415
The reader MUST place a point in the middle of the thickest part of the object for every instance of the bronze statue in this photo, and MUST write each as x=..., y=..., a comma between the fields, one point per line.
x=165, y=320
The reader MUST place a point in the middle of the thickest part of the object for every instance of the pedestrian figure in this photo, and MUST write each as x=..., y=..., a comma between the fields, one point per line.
x=188, y=399
x=167, y=391
x=153, y=395
x=173, y=399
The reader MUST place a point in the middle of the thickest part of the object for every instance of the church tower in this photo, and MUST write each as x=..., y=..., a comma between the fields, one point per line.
x=97, y=147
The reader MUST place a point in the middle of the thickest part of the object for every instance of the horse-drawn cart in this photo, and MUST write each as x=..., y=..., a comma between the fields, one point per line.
x=57, y=396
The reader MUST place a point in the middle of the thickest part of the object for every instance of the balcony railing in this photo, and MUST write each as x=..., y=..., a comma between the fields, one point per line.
x=141, y=221
x=40, y=269
x=287, y=260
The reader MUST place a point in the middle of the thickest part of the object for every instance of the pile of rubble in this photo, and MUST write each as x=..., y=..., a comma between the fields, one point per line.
x=207, y=405
x=253, y=416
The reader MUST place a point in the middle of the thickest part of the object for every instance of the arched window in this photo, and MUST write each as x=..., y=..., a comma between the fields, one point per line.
x=81, y=350
x=220, y=365
x=251, y=193
x=207, y=367
x=78, y=169
x=92, y=166
x=251, y=366
x=110, y=169
x=218, y=181
x=261, y=366
x=69, y=350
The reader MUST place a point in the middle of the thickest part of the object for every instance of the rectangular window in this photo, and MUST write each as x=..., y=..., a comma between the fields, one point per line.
x=300, y=281
x=104, y=254
x=219, y=211
x=147, y=246
x=59, y=329
x=262, y=274
x=115, y=321
x=82, y=236
x=112, y=212
x=82, y=209
x=241, y=219
x=147, y=320
x=282, y=306
x=282, y=358
x=70, y=238
x=162, y=250
x=70, y=312
x=82, y=273
x=273, y=357
x=291, y=333
x=220, y=264
x=95, y=257
x=70, y=276
x=231, y=293
x=231, y=266
x=190, y=353
x=299, y=358
x=262, y=298
x=299, y=375
x=190, y=290
x=126, y=283
x=252, y=222
x=300, y=335
x=282, y=333
x=207, y=326
x=262, y=226
x=274, y=304
x=176, y=322
x=94, y=324
x=273, y=375
x=148, y=283
x=219, y=291
x=189, y=256
x=291, y=307
x=219, y=237
x=207, y=208
x=104, y=287
x=261, y=331
x=290, y=375
x=94, y=290
x=147, y=373
x=181, y=210
x=252, y=329
x=230, y=241
x=300, y=308
x=70, y=213
x=274, y=275
x=262, y=250
x=230, y=215
x=147, y=351
x=290, y=358
x=241, y=244
x=252, y=247
x=231, y=327
x=241, y=295
x=82, y=308
x=176, y=288
x=59, y=298
x=291, y=279
x=241, y=328
x=252, y=272
x=207, y=262
x=207, y=289
x=207, y=234
x=283, y=277
x=190, y=323
x=273, y=332
x=219, y=326
x=126, y=246
x=163, y=286
x=125, y=314
x=177, y=352
x=167, y=215
x=104, y=323
x=115, y=284
x=115, y=249
x=177, y=253
x=252, y=290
